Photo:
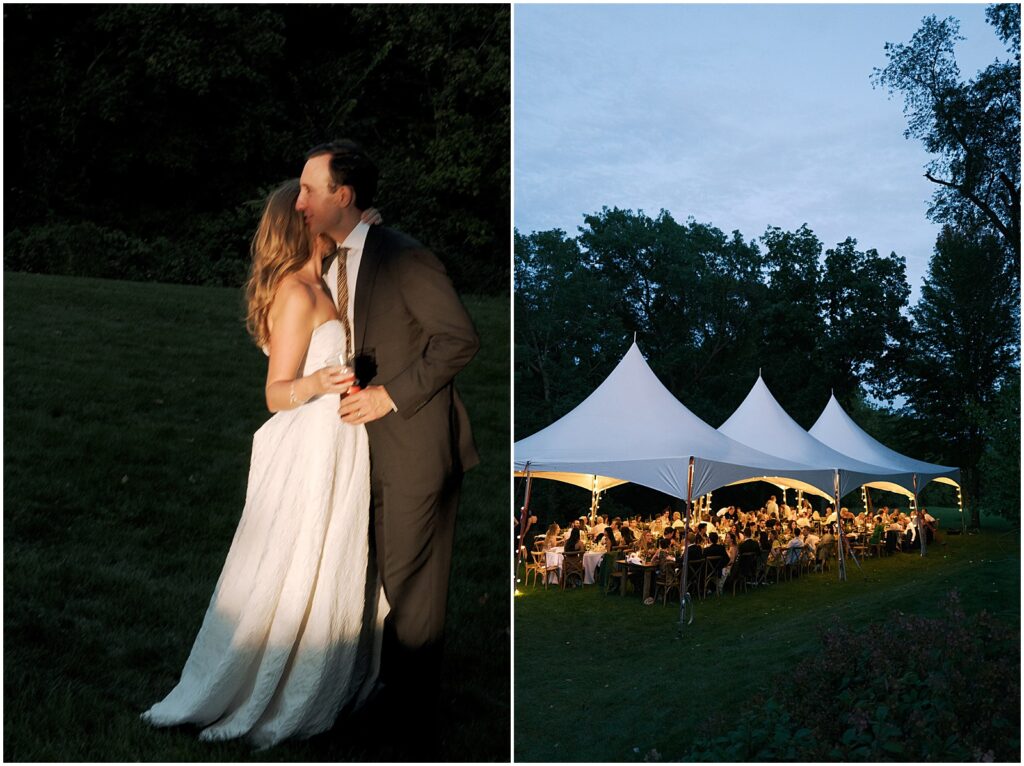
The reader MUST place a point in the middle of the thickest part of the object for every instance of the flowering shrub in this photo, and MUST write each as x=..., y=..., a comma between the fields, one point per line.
x=907, y=689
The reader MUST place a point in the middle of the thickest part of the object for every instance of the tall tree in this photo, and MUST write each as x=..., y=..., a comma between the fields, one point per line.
x=567, y=335
x=863, y=298
x=1000, y=464
x=791, y=320
x=158, y=129
x=972, y=127
x=963, y=349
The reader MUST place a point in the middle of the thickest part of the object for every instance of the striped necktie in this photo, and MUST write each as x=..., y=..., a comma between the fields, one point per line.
x=342, y=293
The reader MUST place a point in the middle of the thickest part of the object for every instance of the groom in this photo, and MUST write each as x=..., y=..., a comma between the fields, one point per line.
x=410, y=336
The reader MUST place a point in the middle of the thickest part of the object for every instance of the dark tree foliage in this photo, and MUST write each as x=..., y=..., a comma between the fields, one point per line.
x=864, y=295
x=141, y=139
x=1000, y=464
x=972, y=128
x=963, y=350
x=709, y=311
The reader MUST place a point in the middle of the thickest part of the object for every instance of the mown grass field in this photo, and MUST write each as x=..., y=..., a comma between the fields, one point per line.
x=129, y=411
x=604, y=678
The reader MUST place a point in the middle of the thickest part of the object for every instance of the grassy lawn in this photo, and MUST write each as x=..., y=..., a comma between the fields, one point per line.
x=129, y=411
x=604, y=678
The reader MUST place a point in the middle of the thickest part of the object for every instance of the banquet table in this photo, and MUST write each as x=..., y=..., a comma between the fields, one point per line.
x=591, y=559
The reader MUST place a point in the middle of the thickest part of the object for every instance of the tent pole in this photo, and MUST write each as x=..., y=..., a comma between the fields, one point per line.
x=844, y=544
x=684, y=584
x=840, y=537
x=524, y=516
x=921, y=529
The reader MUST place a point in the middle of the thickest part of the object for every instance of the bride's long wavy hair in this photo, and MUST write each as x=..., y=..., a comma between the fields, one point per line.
x=280, y=246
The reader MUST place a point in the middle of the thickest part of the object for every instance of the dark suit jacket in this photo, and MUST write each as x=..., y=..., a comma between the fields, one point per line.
x=717, y=550
x=412, y=335
x=750, y=545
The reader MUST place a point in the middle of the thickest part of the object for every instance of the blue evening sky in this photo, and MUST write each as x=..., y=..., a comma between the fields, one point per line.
x=742, y=116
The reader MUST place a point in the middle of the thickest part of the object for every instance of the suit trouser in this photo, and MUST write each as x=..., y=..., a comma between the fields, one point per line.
x=413, y=535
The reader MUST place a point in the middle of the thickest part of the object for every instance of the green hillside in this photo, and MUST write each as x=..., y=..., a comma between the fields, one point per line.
x=129, y=410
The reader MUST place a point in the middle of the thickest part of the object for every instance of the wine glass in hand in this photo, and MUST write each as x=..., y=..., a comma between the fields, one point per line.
x=342, y=371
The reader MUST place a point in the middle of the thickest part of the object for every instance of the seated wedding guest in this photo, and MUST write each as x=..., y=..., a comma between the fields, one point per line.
x=694, y=551
x=931, y=524
x=553, y=537
x=732, y=548
x=702, y=533
x=793, y=549
x=669, y=534
x=613, y=530
x=628, y=535
x=811, y=540
x=647, y=545
x=717, y=549
x=830, y=515
x=828, y=537
x=677, y=520
x=574, y=543
x=750, y=543
x=803, y=521
x=908, y=542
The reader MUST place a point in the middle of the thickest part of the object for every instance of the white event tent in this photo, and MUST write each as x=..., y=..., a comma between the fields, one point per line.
x=762, y=423
x=837, y=429
x=631, y=428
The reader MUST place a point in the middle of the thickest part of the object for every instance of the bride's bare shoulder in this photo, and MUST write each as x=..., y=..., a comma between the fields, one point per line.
x=294, y=298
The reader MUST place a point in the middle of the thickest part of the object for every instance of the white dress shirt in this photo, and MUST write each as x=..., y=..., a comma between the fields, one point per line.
x=355, y=241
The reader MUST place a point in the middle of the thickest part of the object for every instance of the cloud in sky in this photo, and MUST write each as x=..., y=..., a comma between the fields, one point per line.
x=741, y=116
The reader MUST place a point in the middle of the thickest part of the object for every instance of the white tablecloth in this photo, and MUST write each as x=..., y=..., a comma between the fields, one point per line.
x=553, y=558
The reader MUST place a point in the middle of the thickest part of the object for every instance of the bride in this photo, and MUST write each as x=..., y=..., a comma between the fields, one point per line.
x=293, y=630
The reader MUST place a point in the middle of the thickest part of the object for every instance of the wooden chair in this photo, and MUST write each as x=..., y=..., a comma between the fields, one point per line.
x=806, y=560
x=875, y=544
x=667, y=579
x=793, y=557
x=823, y=556
x=572, y=568
x=539, y=567
x=761, y=576
x=776, y=564
x=746, y=565
x=616, y=570
x=711, y=566
x=892, y=542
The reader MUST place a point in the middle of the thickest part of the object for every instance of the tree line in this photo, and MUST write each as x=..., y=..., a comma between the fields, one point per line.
x=939, y=380
x=142, y=139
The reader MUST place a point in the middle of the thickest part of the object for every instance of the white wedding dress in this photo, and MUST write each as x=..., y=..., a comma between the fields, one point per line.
x=293, y=631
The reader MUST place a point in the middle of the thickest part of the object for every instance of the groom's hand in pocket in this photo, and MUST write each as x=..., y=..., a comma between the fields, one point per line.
x=372, y=403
